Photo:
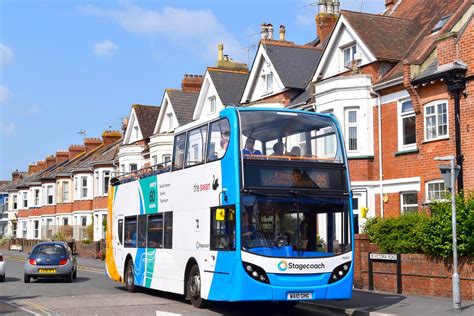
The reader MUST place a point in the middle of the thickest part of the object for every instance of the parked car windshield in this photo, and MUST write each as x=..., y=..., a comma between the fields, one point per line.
x=50, y=250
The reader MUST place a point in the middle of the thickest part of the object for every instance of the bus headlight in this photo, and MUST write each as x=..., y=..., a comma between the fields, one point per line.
x=339, y=272
x=255, y=272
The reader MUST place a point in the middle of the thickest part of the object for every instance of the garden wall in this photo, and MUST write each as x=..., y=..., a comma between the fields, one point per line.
x=421, y=275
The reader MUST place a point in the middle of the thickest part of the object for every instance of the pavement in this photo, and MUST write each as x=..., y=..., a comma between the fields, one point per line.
x=362, y=302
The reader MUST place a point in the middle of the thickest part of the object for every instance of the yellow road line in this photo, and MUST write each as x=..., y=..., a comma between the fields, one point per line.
x=37, y=306
x=94, y=270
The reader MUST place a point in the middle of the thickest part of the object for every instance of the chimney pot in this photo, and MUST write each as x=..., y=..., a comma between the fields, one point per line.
x=264, y=31
x=282, y=32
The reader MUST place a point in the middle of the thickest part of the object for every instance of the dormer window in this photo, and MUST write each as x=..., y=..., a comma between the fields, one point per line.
x=349, y=53
x=440, y=24
x=135, y=128
x=170, y=121
x=212, y=104
x=267, y=79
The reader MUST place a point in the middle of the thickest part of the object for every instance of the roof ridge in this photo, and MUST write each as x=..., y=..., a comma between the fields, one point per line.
x=244, y=72
x=282, y=44
x=378, y=15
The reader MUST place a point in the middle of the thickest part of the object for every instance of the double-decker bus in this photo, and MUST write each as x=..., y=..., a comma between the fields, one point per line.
x=255, y=205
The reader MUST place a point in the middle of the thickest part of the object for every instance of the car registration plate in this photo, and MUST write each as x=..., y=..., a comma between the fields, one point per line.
x=300, y=296
x=47, y=270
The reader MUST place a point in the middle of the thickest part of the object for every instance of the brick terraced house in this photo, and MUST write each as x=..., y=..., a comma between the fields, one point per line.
x=401, y=84
x=65, y=193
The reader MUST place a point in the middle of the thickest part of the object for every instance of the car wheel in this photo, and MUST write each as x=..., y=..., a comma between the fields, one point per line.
x=193, y=288
x=130, y=277
x=26, y=278
x=70, y=277
x=2, y=278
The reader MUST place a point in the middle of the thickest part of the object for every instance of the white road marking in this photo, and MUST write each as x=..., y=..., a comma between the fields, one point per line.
x=160, y=313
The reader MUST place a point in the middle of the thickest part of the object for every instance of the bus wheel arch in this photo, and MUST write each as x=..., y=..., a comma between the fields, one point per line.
x=194, y=286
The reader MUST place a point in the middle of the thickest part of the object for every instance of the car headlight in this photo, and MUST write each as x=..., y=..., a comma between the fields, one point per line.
x=255, y=272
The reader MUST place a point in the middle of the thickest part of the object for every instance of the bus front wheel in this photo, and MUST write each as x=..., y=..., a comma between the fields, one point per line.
x=193, y=289
x=130, y=277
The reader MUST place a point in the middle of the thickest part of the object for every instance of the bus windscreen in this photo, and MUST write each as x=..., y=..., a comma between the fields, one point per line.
x=275, y=135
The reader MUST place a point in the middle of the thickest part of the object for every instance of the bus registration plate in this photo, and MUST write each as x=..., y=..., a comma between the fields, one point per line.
x=300, y=296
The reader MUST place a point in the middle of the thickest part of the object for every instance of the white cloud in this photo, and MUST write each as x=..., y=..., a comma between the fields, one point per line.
x=6, y=56
x=105, y=48
x=5, y=94
x=198, y=30
x=7, y=129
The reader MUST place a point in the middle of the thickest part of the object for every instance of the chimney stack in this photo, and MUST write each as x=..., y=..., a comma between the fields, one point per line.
x=41, y=165
x=61, y=156
x=50, y=161
x=16, y=175
x=32, y=168
x=75, y=150
x=282, y=33
x=109, y=137
x=326, y=18
x=192, y=83
x=92, y=143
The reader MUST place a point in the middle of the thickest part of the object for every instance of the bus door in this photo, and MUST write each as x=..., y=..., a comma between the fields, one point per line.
x=118, y=243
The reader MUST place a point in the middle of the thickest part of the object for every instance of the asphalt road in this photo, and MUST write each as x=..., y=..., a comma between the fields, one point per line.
x=93, y=293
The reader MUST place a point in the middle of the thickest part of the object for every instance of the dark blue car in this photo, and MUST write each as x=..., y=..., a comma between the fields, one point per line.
x=51, y=260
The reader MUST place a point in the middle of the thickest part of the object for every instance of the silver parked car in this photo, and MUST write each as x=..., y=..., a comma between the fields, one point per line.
x=2, y=268
x=51, y=260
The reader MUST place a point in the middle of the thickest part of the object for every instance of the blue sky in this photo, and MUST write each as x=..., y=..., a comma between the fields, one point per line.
x=68, y=65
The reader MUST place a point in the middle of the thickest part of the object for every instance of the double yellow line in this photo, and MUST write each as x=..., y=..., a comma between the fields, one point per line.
x=42, y=309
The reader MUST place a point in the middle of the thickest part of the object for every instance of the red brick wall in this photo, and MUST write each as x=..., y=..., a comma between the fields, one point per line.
x=82, y=205
x=64, y=208
x=99, y=202
x=421, y=275
x=362, y=169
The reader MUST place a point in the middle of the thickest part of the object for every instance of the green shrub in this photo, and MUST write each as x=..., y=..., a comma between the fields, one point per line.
x=398, y=235
x=438, y=238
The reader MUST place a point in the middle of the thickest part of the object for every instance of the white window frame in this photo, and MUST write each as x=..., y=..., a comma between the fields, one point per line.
x=96, y=183
x=36, y=197
x=24, y=200
x=170, y=121
x=403, y=206
x=106, y=174
x=65, y=191
x=402, y=116
x=49, y=192
x=212, y=104
x=84, y=188
x=14, y=201
x=166, y=157
x=155, y=159
x=130, y=167
x=427, y=191
x=268, y=79
x=348, y=125
x=437, y=125
x=352, y=50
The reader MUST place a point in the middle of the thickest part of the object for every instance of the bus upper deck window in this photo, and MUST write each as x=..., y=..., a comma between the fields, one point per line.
x=219, y=138
x=178, y=154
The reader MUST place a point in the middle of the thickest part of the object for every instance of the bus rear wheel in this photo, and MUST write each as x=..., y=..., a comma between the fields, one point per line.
x=193, y=288
x=129, y=277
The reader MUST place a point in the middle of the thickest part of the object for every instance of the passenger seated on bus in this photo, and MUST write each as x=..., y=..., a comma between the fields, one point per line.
x=295, y=151
x=278, y=149
x=224, y=143
x=249, y=147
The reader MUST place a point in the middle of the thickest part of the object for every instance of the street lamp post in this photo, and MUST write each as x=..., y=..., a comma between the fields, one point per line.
x=450, y=180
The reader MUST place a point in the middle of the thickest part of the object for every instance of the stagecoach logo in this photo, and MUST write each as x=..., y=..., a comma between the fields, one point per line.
x=283, y=266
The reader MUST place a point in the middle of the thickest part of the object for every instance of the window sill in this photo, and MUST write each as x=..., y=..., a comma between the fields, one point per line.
x=435, y=140
x=407, y=152
x=360, y=157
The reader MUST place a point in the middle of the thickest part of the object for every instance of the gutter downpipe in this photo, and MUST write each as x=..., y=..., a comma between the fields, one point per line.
x=379, y=103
